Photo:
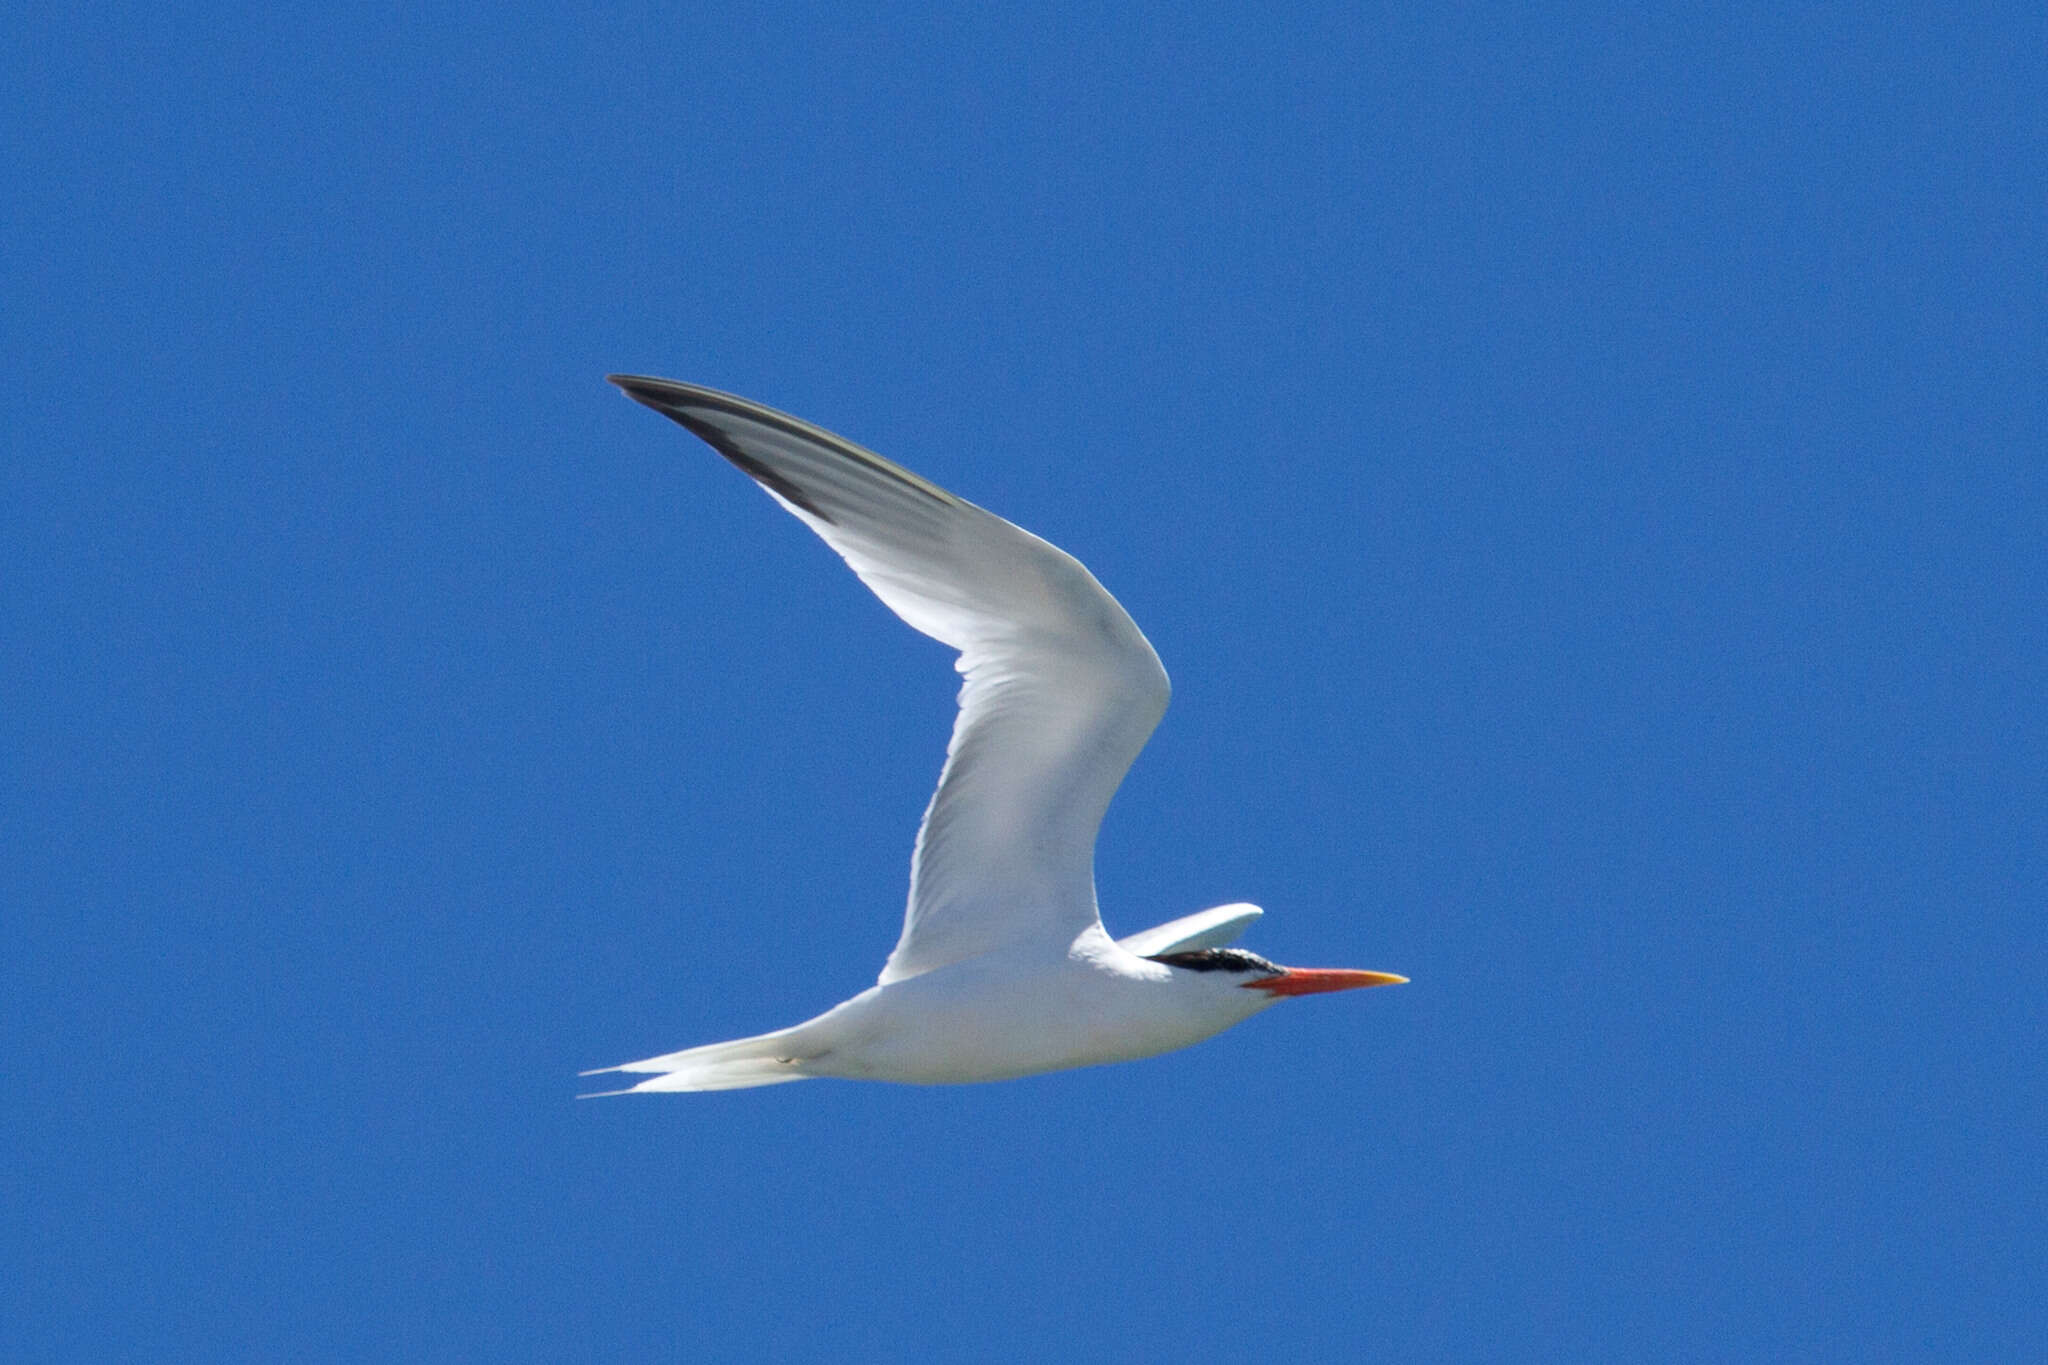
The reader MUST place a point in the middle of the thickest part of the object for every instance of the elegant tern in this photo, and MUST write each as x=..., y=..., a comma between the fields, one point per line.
x=1003, y=968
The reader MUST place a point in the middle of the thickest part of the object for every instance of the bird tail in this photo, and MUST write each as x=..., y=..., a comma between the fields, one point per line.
x=766, y=1059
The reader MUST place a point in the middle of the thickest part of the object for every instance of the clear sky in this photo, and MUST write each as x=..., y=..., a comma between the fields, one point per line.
x=1585, y=468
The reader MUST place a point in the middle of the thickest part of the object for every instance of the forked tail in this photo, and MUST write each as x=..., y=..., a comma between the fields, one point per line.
x=766, y=1059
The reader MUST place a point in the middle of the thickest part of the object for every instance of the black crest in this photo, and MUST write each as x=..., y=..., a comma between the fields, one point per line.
x=1221, y=960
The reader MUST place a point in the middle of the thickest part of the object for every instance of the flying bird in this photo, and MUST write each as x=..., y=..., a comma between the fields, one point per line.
x=1003, y=968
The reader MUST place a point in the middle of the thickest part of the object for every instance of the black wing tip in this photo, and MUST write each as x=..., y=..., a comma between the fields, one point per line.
x=672, y=400
x=671, y=397
x=687, y=404
x=641, y=388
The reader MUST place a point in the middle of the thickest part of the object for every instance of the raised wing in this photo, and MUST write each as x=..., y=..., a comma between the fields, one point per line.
x=1060, y=692
x=1211, y=928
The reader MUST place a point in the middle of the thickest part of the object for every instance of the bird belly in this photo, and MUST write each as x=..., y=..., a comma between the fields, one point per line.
x=986, y=1021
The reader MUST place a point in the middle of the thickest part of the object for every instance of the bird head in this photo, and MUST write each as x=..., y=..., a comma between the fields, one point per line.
x=1253, y=972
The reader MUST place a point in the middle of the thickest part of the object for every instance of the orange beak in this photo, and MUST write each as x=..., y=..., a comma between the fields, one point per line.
x=1316, y=980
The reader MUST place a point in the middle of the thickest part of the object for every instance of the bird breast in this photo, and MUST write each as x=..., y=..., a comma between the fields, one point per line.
x=1002, y=1016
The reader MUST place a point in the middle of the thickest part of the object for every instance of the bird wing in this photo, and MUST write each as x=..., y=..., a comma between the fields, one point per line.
x=1211, y=928
x=1060, y=688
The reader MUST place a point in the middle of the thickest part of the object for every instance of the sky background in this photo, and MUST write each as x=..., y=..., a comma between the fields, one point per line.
x=1586, y=471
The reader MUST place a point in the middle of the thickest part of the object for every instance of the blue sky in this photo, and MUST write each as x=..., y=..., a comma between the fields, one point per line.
x=1584, y=471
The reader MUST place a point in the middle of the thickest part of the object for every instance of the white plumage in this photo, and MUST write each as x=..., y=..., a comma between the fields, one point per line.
x=1003, y=968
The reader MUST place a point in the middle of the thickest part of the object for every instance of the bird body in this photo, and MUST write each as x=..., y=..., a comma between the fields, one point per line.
x=1004, y=968
x=995, y=1016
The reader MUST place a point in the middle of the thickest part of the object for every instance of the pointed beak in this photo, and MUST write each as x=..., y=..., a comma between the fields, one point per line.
x=1316, y=980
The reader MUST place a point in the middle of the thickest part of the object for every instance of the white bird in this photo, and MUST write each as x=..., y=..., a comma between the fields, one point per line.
x=1003, y=968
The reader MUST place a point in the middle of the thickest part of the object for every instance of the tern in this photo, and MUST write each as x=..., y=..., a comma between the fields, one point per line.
x=1004, y=968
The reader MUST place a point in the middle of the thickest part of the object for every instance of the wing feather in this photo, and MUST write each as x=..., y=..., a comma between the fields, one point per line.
x=1060, y=689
